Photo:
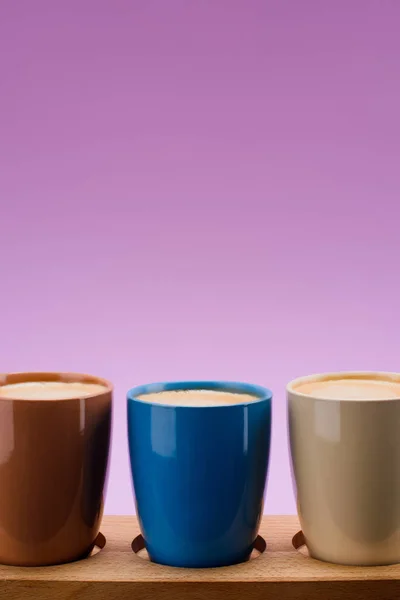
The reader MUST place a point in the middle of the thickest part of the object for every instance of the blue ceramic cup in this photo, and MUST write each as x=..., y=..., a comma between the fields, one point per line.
x=199, y=473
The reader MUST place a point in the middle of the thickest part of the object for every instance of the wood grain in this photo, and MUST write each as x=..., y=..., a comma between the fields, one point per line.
x=281, y=572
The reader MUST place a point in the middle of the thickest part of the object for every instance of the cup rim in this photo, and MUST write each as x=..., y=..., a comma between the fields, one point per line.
x=262, y=394
x=332, y=375
x=61, y=376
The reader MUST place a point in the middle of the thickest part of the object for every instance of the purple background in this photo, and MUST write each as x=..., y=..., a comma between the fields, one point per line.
x=200, y=189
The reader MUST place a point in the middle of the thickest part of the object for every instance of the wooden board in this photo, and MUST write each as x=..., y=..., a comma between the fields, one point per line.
x=280, y=573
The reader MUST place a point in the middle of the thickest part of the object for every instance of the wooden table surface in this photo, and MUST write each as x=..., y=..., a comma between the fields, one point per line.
x=281, y=572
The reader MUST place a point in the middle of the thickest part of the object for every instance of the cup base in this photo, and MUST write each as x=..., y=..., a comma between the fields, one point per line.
x=94, y=549
x=139, y=548
x=299, y=543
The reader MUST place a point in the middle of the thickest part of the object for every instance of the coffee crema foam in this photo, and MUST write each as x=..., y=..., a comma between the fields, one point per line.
x=50, y=390
x=200, y=398
x=351, y=389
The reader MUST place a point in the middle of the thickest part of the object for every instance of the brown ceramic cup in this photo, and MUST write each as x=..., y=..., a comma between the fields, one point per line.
x=53, y=470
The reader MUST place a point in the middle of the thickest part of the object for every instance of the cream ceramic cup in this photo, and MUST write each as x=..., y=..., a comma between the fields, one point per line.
x=344, y=433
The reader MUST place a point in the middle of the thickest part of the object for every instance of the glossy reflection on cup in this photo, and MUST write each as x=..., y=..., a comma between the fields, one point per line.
x=53, y=466
x=199, y=471
x=345, y=448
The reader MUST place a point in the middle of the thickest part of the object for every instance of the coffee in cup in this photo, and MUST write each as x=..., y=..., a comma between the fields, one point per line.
x=200, y=398
x=50, y=390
